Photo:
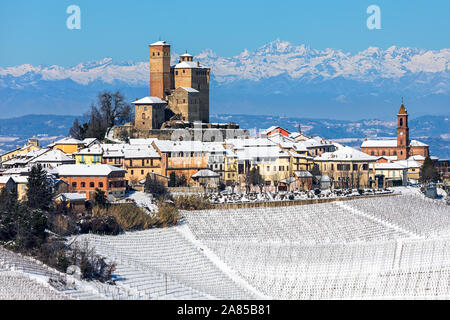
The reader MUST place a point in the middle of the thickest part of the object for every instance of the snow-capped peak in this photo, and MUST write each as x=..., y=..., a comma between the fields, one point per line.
x=275, y=58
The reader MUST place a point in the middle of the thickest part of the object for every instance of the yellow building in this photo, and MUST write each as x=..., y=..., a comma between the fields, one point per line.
x=68, y=145
x=22, y=186
x=32, y=144
x=390, y=174
x=139, y=162
x=231, y=168
x=182, y=157
x=92, y=155
x=348, y=168
x=271, y=161
x=413, y=169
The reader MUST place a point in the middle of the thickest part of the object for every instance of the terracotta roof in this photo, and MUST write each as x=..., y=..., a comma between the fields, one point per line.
x=402, y=110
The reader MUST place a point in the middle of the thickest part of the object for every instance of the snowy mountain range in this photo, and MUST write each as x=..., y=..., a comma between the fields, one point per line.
x=278, y=78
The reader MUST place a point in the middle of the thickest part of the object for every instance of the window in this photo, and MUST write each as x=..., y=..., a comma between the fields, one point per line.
x=372, y=153
x=176, y=72
x=343, y=167
x=91, y=185
x=268, y=168
x=100, y=184
x=132, y=171
x=143, y=116
x=355, y=167
x=365, y=166
x=74, y=184
x=142, y=171
x=401, y=122
x=83, y=184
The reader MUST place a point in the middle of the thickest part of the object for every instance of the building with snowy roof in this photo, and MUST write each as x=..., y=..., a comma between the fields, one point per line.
x=86, y=178
x=53, y=158
x=401, y=147
x=347, y=167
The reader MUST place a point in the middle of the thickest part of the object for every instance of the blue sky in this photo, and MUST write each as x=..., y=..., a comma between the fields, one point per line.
x=35, y=32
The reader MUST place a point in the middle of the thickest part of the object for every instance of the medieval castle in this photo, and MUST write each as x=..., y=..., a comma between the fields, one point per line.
x=179, y=99
x=180, y=91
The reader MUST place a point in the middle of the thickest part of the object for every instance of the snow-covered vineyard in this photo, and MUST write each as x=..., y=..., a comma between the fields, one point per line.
x=378, y=248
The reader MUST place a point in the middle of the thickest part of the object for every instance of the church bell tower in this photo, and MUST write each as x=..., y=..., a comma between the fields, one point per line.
x=402, y=133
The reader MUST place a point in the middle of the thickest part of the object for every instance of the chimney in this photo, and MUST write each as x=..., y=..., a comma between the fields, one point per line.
x=198, y=63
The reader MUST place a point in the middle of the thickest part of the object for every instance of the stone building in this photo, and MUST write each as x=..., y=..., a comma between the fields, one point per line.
x=181, y=90
x=149, y=113
x=402, y=148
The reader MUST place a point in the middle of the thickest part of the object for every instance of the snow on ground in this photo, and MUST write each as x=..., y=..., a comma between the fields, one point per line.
x=335, y=250
x=143, y=200
x=168, y=252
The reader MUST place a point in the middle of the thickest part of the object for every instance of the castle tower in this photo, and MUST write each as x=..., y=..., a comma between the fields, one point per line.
x=402, y=133
x=186, y=57
x=190, y=74
x=160, y=77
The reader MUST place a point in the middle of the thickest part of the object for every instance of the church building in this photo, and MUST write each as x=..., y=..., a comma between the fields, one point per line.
x=400, y=149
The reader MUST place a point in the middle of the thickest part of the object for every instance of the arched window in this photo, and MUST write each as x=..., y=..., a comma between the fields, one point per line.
x=143, y=116
x=401, y=122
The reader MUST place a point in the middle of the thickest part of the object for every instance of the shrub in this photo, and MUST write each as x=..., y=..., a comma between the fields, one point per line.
x=167, y=215
x=92, y=266
x=62, y=224
x=128, y=216
x=192, y=203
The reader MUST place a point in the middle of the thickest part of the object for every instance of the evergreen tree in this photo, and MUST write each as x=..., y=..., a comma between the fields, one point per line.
x=31, y=226
x=100, y=198
x=172, y=179
x=428, y=172
x=8, y=218
x=39, y=192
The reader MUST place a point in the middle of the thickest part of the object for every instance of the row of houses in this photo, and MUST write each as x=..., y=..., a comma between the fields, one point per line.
x=284, y=161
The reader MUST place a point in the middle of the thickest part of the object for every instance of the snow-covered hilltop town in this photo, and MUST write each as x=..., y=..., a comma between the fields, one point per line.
x=159, y=203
